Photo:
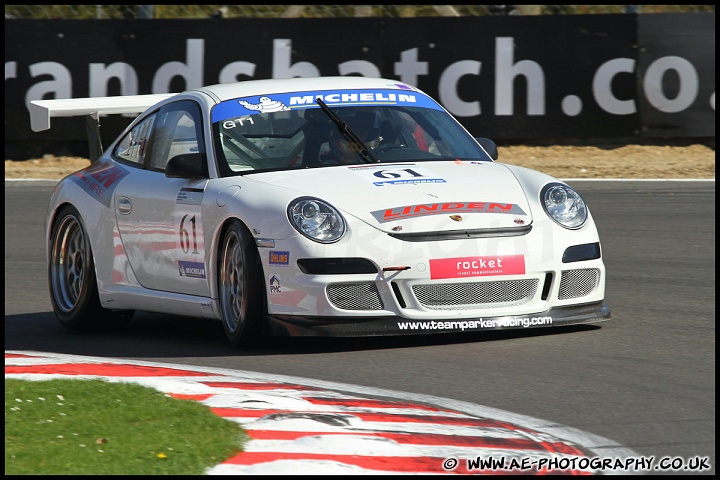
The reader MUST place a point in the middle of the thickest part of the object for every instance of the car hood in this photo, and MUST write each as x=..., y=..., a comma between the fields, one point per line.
x=416, y=197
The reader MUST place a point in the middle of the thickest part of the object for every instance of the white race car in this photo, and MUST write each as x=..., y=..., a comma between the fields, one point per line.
x=329, y=206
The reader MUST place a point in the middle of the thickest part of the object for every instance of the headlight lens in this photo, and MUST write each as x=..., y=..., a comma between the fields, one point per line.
x=564, y=205
x=316, y=219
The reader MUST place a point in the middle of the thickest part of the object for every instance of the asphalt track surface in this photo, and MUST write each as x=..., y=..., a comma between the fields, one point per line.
x=640, y=385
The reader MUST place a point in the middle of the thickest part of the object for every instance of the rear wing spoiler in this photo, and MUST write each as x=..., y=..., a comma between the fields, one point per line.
x=41, y=111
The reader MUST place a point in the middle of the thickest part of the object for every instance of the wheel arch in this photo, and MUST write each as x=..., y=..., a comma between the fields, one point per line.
x=254, y=314
x=53, y=217
x=99, y=230
x=215, y=257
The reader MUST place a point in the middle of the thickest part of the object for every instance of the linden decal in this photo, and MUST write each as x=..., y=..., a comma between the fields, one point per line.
x=410, y=211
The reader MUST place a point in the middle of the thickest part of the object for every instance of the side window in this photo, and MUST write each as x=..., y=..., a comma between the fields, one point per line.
x=178, y=130
x=133, y=146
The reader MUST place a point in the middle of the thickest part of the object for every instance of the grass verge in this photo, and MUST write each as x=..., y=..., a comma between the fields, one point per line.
x=95, y=427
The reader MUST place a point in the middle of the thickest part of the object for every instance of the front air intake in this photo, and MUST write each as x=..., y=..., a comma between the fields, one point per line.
x=578, y=283
x=457, y=296
x=355, y=296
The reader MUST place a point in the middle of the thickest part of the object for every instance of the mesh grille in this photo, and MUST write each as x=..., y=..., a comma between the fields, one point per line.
x=355, y=296
x=578, y=283
x=456, y=296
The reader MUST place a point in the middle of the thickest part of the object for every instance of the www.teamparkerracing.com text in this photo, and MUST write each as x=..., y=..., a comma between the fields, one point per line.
x=580, y=464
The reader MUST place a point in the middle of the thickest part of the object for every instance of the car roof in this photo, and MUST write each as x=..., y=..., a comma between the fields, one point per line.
x=227, y=91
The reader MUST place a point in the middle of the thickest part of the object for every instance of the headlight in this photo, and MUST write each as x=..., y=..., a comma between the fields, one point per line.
x=564, y=205
x=316, y=219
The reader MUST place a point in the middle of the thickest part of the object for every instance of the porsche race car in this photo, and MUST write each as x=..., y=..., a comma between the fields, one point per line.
x=328, y=206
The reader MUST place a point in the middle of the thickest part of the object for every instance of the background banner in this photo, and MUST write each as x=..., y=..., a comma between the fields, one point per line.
x=509, y=78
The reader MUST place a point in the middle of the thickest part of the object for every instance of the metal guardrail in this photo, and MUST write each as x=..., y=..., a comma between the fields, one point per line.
x=118, y=12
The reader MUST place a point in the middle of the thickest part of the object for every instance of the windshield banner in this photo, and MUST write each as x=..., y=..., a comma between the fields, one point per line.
x=302, y=100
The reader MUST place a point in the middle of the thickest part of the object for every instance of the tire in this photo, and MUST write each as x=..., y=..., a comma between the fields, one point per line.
x=240, y=287
x=72, y=280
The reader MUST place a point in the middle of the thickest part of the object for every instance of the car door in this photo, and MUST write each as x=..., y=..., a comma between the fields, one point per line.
x=160, y=218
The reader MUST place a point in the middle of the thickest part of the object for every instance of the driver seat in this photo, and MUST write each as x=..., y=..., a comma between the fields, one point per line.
x=390, y=130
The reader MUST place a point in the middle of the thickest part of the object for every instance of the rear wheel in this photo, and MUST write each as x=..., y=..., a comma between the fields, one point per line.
x=240, y=286
x=72, y=280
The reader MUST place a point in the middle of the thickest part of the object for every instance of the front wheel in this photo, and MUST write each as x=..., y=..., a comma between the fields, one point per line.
x=72, y=281
x=240, y=286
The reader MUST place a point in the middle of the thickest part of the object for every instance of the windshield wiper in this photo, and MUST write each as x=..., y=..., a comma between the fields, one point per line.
x=348, y=133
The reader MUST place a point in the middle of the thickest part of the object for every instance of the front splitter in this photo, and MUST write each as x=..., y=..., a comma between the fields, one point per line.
x=299, y=326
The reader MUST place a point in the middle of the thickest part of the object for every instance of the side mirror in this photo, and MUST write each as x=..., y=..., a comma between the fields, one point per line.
x=489, y=147
x=187, y=165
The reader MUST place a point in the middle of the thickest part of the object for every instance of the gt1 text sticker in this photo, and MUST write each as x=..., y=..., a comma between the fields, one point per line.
x=189, y=243
x=380, y=175
x=238, y=122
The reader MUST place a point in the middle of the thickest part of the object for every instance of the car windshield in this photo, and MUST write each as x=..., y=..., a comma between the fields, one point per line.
x=322, y=129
